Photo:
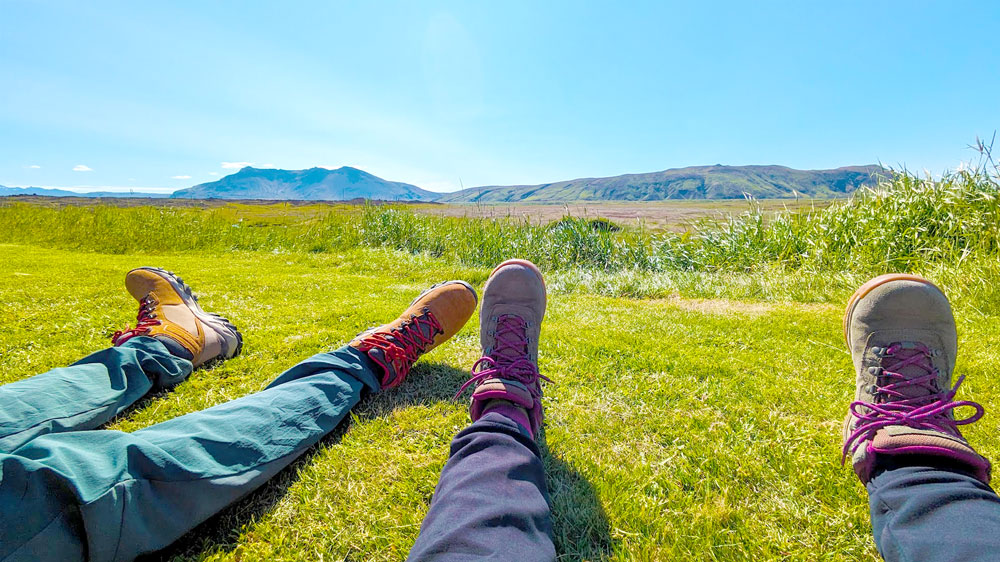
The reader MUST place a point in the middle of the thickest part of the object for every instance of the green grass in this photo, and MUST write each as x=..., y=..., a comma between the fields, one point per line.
x=697, y=402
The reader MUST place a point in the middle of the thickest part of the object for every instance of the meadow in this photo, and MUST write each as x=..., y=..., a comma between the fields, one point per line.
x=700, y=374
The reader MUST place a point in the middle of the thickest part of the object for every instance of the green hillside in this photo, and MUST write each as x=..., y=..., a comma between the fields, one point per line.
x=695, y=182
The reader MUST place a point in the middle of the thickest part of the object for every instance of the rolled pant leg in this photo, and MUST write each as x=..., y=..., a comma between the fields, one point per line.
x=921, y=513
x=123, y=494
x=86, y=394
x=491, y=502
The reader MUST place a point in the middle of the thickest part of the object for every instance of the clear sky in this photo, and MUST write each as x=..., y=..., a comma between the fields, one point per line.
x=170, y=94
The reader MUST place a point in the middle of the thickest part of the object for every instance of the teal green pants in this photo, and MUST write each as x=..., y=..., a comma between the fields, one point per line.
x=68, y=492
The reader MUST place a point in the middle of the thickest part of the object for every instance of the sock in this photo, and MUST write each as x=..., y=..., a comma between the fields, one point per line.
x=510, y=411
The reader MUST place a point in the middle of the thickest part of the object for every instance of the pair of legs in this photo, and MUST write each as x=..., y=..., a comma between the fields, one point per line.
x=928, y=489
x=71, y=492
x=68, y=492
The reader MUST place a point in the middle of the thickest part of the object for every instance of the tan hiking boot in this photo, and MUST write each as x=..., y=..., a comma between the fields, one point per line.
x=506, y=378
x=170, y=313
x=430, y=320
x=901, y=334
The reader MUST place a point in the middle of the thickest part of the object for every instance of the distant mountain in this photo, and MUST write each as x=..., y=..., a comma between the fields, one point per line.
x=35, y=191
x=48, y=192
x=695, y=182
x=314, y=184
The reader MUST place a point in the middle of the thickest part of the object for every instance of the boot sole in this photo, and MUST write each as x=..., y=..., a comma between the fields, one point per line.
x=871, y=285
x=214, y=321
x=525, y=263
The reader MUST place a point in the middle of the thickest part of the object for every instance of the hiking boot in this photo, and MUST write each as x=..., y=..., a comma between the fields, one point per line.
x=506, y=378
x=169, y=312
x=901, y=334
x=431, y=319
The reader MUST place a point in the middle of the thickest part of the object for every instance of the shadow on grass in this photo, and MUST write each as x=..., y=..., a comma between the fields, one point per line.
x=580, y=526
x=428, y=383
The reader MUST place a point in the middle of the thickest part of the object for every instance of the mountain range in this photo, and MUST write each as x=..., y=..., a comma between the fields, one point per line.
x=694, y=182
x=53, y=192
x=314, y=184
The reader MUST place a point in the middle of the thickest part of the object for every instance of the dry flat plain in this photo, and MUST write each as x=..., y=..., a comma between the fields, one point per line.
x=656, y=215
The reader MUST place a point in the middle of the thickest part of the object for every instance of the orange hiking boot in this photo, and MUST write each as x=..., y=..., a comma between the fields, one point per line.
x=169, y=312
x=431, y=319
x=901, y=334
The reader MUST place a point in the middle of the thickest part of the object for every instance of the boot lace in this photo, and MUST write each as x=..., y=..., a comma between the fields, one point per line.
x=145, y=320
x=402, y=345
x=914, y=400
x=509, y=358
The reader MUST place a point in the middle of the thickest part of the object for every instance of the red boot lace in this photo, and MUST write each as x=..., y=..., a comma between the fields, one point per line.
x=402, y=346
x=145, y=320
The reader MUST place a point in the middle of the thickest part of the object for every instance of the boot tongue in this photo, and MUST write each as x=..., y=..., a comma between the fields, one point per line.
x=425, y=329
x=511, y=340
x=911, y=361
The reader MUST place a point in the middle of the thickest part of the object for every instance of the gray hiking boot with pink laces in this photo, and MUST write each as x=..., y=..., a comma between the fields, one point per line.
x=506, y=378
x=901, y=334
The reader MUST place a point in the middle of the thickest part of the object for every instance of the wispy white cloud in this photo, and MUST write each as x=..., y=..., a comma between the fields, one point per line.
x=213, y=173
x=236, y=165
x=268, y=166
x=82, y=168
x=35, y=167
x=181, y=177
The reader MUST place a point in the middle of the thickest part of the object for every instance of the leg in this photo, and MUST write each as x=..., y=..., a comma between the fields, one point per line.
x=123, y=494
x=172, y=336
x=930, y=513
x=108, y=495
x=491, y=502
x=88, y=393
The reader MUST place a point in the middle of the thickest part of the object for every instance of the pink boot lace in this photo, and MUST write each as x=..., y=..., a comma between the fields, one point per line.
x=509, y=360
x=913, y=399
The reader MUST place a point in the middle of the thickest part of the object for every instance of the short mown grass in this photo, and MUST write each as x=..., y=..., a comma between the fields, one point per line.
x=700, y=378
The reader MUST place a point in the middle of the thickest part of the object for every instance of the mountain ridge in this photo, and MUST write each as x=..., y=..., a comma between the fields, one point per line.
x=311, y=184
x=692, y=182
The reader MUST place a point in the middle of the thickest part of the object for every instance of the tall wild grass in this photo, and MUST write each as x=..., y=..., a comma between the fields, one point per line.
x=906, y=223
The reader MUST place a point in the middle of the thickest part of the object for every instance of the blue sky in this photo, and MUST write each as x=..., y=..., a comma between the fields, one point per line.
x=169, y=94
